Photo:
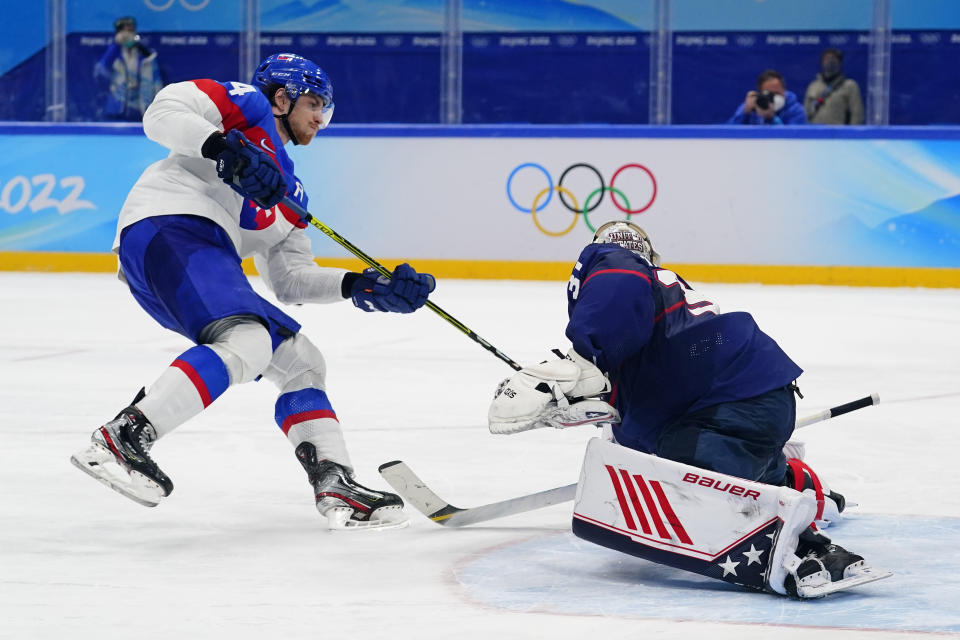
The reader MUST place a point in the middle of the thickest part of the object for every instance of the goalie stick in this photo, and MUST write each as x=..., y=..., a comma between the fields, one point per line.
x=409, y=485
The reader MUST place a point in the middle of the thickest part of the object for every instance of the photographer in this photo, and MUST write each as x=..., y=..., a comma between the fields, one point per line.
x=771, y=103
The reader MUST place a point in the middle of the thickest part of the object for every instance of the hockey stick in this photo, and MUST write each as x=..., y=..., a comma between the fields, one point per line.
x=409, y=485
x=346, y=244
x=839, y=410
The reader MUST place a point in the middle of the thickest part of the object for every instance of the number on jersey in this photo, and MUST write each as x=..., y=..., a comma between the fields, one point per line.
x=240, y=88
x=696, y=303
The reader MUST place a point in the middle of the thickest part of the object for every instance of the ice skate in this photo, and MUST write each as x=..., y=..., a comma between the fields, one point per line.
x=825, y=568
x=119, y=457
x=345, y=503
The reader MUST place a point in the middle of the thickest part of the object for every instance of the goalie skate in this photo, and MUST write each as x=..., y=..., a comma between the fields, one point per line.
x=118, y=456
x=345, y=503
x=826, y=568
x=821, y=586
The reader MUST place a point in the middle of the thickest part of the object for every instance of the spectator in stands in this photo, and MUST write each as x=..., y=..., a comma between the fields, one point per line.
x=130, y=67
x=833, y=98
x=770, y=103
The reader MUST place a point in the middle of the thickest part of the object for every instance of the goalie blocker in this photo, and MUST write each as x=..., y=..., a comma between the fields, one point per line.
x=700, y=521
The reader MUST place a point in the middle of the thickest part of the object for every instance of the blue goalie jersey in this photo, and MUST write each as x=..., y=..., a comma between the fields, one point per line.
x=667, y=349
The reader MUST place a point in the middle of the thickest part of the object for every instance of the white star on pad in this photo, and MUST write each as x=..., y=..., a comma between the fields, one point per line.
x=729, y=567
x=753, y=555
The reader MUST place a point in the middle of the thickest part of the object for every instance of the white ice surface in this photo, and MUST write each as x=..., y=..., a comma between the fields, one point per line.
x=238, y=551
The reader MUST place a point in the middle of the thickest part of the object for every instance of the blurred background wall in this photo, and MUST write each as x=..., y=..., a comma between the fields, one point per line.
x=496, y=61
x=459, y=121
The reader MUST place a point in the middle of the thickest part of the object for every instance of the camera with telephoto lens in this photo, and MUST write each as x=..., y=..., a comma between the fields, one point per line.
x=765, y=99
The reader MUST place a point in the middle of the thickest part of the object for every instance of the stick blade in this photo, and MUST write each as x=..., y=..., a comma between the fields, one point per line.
x=412, y=489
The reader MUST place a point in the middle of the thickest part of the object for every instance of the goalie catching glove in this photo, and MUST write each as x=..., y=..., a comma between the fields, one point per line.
x=558, y=393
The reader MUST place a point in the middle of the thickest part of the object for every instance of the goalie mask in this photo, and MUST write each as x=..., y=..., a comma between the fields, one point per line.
x=629, y=236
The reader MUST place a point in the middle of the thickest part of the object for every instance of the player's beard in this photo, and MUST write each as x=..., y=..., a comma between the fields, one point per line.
x=305, y=133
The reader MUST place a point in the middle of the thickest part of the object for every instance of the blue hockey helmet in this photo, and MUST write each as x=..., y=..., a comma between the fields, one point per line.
x=629, y=236
x=297, y=76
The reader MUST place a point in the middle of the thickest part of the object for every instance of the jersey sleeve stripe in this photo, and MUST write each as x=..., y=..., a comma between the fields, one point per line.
x=626, y=271
x=233, y=117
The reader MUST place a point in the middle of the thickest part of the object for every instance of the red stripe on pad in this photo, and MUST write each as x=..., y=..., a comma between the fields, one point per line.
x=668, y=511
x=651, y=507
x=636, y=501
x=195, y=378
x=626, y=271
x=303, y=416
x=622, y=499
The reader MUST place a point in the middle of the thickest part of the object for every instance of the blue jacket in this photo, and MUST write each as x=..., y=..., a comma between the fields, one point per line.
x=129, y=93
x=667, y=349
x=791, y=113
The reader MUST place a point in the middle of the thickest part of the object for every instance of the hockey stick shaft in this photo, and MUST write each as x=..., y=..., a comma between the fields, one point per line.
x=833, y=412
x=402, y=478
x=349, y=246
x=409, y=485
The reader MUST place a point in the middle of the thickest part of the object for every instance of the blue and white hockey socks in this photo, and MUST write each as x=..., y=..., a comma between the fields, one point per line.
x=307, y=416
x=189, y=385
x=303, y=411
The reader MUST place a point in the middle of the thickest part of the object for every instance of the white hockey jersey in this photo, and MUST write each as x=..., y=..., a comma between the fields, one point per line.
x=181, y=118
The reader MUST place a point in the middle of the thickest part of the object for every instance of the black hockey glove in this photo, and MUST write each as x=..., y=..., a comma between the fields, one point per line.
x=404, y=292
x=248, y=170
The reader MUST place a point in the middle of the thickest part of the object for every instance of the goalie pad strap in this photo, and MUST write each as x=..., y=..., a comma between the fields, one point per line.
x=799, y=481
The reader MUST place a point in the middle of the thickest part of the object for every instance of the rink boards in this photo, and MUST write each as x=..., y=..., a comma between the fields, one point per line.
x=866, y=206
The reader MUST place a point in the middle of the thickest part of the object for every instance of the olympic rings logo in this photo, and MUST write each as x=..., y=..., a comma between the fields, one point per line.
x=201, y=4
x=569, y=200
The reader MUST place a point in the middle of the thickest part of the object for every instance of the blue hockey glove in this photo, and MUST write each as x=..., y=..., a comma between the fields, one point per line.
x=249, y=170
x=405, y=291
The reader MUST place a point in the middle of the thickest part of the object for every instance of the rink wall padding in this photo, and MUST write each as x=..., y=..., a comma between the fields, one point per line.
x=558, y=271
x=779, y=205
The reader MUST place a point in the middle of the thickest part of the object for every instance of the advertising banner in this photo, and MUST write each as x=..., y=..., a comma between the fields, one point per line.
x=63, y=192
x=806, y=202
x=706, y=201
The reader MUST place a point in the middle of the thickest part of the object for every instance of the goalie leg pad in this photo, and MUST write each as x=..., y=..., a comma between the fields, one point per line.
x=685, y=517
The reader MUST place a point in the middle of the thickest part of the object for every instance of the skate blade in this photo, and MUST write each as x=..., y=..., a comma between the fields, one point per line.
x=99, y=463
x=338, y=519
x=863, y=575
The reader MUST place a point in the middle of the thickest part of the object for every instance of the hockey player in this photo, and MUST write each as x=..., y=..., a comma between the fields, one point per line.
x=182, y=232
x=679, y=380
